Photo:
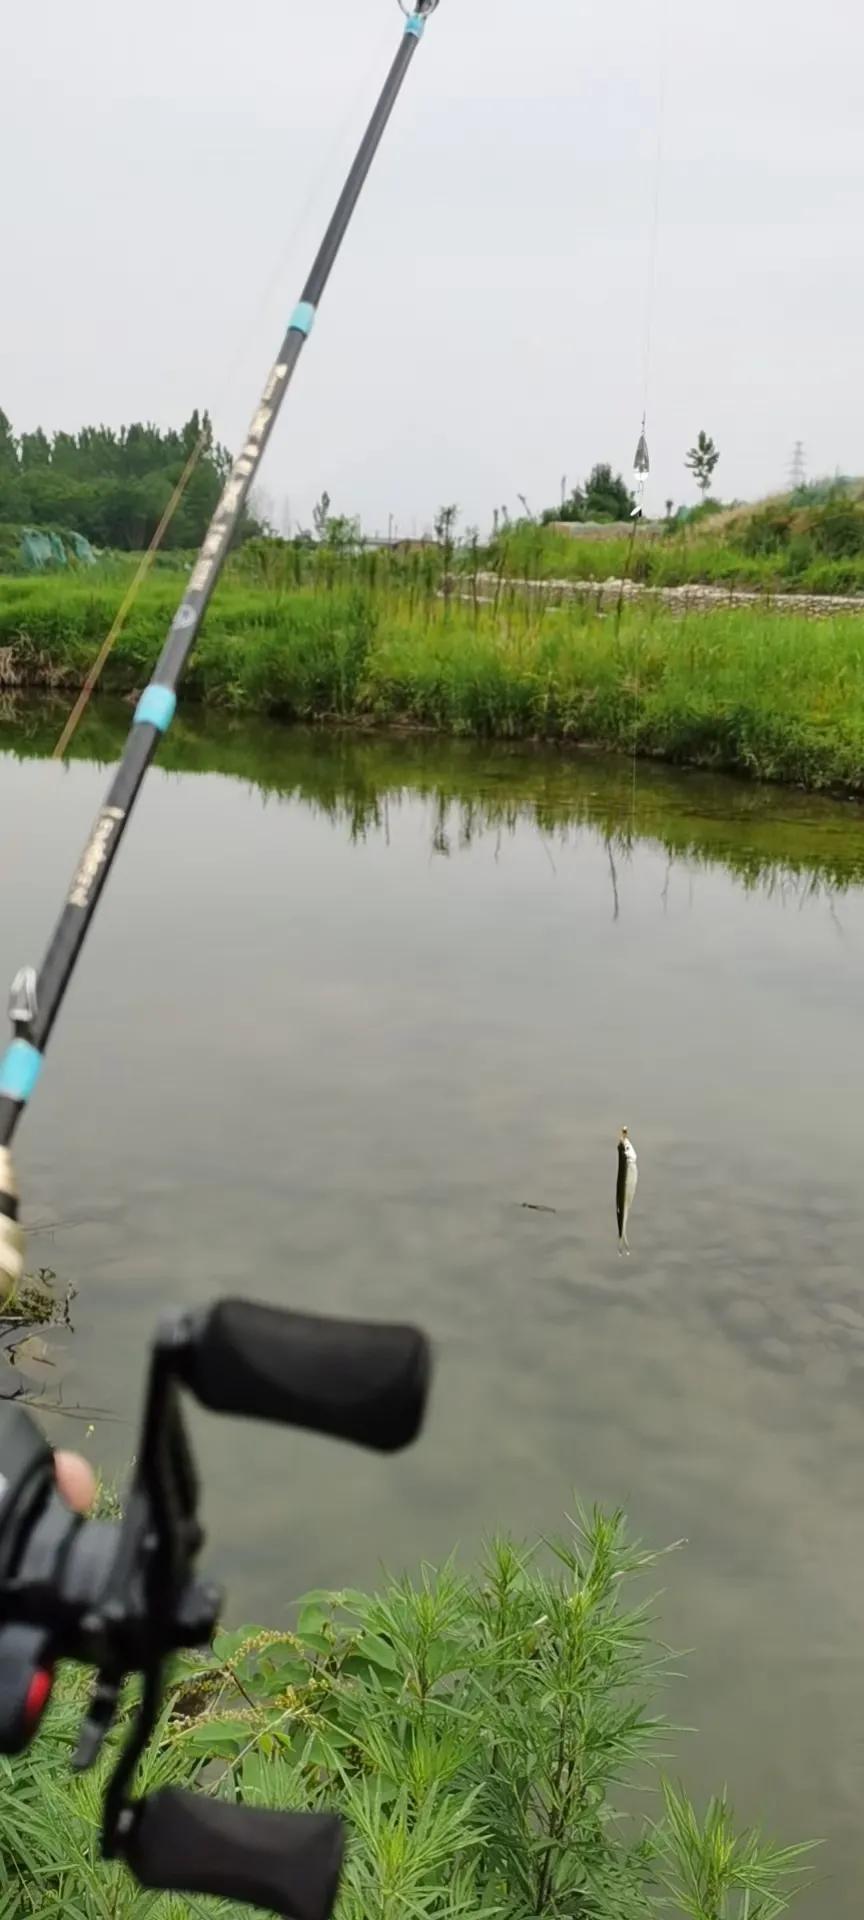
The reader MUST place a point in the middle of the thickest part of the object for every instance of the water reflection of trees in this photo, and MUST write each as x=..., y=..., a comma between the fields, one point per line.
x=790, y=846
x=794, y=877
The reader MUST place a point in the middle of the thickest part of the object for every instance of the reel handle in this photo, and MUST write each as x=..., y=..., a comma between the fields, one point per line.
x=184, y=1842
x=355, y=1380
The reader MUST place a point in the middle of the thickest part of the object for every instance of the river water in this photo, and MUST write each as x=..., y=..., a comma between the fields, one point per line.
x=347, y=1006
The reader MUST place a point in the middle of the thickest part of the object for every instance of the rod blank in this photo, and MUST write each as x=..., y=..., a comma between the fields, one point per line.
x=156, y=708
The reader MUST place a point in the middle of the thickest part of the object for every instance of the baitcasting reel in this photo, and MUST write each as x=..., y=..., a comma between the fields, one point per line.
x=122, y=1598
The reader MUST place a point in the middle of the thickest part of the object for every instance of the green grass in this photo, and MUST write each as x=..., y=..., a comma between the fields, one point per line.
x=776, y=548
x=774, y=697
x=679, y=559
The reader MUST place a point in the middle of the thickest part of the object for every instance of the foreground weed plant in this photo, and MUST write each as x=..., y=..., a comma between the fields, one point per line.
x=481, y=1734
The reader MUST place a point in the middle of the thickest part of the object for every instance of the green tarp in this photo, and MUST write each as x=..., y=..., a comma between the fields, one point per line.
x=41, y=550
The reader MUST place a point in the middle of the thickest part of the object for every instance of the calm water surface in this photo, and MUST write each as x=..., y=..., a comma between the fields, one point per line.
x=346, y=1007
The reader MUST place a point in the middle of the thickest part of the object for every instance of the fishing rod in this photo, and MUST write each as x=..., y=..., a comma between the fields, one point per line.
x=36, y=999
x=123, y=1598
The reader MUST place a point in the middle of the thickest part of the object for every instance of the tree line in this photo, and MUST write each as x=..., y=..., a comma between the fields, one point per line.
x=113, y=486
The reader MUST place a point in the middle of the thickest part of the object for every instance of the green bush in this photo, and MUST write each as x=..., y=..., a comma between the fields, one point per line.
x=838, y=529
x=481, y=1735
x=768, y=531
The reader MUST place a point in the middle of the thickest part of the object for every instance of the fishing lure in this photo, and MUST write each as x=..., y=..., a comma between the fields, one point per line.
x=641, y=470
x=628, y=1179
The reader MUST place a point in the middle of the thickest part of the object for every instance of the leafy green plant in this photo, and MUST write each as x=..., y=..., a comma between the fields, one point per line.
x=701, y=461
x=603, y=496
x=710, y=1872
x=838, y=529
x=769, y=530
x=477, y=1732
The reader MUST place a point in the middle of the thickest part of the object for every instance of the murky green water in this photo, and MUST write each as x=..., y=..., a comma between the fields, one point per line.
x=347, y=1005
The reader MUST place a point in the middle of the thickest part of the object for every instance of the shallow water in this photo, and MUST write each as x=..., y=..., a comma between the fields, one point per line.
x=347, y=1005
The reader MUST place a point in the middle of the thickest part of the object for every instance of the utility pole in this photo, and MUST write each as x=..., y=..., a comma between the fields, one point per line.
x=797, y=468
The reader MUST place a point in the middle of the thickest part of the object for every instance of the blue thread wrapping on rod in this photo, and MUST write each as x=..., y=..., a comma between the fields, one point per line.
x=415, y=25
x=303, y=317
x=156, y=707
x=19, y=1071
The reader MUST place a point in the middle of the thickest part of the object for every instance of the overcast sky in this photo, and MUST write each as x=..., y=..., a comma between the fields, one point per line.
x=168, y=170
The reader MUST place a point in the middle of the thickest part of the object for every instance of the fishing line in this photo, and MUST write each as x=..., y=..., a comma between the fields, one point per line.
x=641, y=459
x=627, y=1162
x=229, y=380
x=654, y=240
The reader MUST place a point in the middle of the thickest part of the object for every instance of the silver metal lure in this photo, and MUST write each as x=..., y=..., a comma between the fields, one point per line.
x=641, y=470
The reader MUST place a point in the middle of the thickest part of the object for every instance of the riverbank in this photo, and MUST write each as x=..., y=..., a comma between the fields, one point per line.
x=745, y=690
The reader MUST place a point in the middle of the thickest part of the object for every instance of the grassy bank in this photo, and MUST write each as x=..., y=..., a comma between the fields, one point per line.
x=767, y=554
x=744, y=690
x=482, y=1735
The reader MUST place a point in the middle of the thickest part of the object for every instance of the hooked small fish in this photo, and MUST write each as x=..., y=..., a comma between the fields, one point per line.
x=628, y=1176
